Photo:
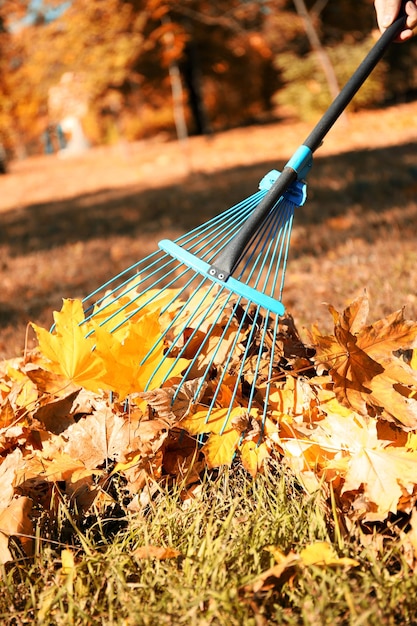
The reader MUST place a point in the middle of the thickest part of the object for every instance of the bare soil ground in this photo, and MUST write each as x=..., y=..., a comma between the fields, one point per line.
x=67, y=225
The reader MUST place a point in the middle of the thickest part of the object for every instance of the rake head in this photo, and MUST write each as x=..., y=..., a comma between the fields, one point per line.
x=223, y=330
x=217, y=290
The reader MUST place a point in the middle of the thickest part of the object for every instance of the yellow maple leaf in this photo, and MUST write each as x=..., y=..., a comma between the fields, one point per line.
x=68, y=562
x=413, y=360
x=293, y=397
x=220, y=449
x=219, y=420
x=323, y=554
x=288, y=566
x=253, y=456
x=222, y=443
x=113, y=313
x=68, y=352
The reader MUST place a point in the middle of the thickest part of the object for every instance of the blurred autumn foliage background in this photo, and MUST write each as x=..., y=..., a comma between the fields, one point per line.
x=134, y=68
x=243, y=81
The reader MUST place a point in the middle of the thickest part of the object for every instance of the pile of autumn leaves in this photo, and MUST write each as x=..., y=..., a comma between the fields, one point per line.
x=73, y=415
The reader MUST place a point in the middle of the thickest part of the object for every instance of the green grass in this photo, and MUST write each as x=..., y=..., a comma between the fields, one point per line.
x=221, y=535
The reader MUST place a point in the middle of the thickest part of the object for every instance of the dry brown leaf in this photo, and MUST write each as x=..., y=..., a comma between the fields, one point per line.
x=145, y=469
x=394, y=394
x=219, y=346
x=60, y=467
x=104, y=435
x=15, y=522
x=160, y=400
x=319, y=554
x=182, y=457
x=50, y=383
x=357, y=354
x=55, y=415
x=388, y=335
x=173, y=402
x=7, y=414
x=155, y=552
x=384, y=473
x=8, y=469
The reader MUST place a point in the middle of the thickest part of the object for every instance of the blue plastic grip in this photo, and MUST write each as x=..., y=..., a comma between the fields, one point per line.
x=296, y=193
x=233, y=285
x=301, y=161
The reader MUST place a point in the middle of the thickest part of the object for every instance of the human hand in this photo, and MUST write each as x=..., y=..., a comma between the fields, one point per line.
x=387, y=11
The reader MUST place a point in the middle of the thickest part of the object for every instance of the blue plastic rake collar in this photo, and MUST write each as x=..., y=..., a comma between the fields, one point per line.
x=295, y=195
x=233, y=285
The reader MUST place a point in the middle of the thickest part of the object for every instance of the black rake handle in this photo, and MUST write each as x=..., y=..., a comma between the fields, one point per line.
x=339, y=104
x=226, y=262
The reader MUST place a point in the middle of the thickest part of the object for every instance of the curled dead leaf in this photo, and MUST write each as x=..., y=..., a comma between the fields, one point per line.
x=155, y=552
x=15, y=521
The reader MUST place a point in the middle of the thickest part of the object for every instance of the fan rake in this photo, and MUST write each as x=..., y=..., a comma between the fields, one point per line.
x=218, y=289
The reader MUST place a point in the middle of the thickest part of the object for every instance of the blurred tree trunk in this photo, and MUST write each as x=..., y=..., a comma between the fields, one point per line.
x=315, y=43
x=191, y=72
x=176, y=84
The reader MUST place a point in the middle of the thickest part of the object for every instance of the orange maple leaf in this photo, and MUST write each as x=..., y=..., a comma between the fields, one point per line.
x=357, y=353
x=138, y=360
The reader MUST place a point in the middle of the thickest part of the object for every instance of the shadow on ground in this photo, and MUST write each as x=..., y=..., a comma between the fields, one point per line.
x=371, y=181
x=67, y=248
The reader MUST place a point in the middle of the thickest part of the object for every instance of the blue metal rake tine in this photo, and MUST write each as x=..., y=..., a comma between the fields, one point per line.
x=112, y=280
x=285, y=228
x=277, y=236
x=202, y=345
x=239, y=375
x=243, y=358
x=212, y=250
x=270, y=371
x=248, y=205
x=231, y=352
x=134, y=286
x=158, y=269
x=272, y=228
x=137, y=310
x=166, y=331
x=234, y=217
x=215, y=321
x=290, y=208
x=213, y=324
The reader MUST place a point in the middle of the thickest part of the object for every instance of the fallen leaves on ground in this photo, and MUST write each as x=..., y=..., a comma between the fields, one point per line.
x=340, y=413
x=289, y=566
